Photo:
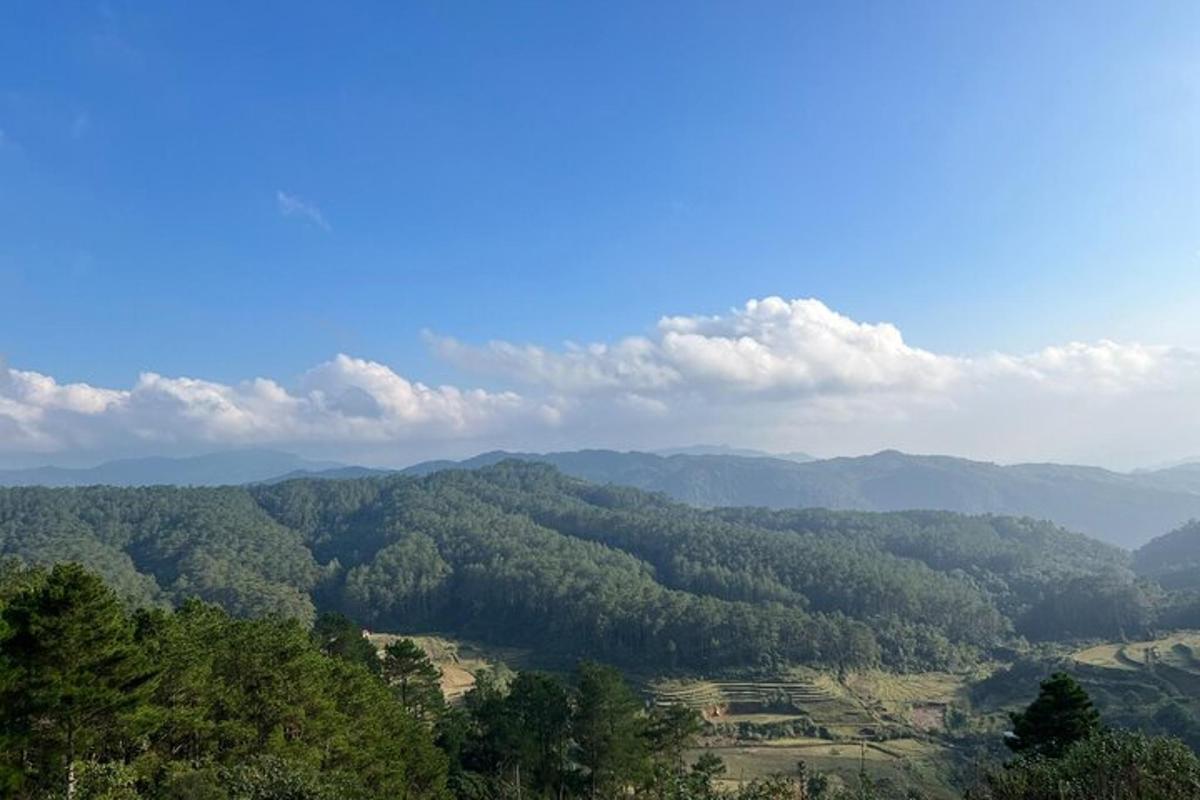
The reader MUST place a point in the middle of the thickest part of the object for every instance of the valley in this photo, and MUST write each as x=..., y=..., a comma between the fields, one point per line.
x=887, y=646
x=914, y=732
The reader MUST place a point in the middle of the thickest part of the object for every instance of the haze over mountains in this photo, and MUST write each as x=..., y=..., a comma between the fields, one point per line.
x=212, y=469
x=1119, y=508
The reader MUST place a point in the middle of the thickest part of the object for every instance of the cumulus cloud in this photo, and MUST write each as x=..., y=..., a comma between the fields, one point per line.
x=795, y=373
x=343, y=401
x=799, y=347
x=292, y=206
x=773, y=373
x=802, y=349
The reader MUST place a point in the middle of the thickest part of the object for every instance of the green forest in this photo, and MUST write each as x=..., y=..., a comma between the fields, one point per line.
x=519, y=554
x=100, y=702
x=211, y=645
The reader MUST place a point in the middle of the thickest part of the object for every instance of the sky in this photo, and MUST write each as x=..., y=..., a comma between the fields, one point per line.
x=382, y=232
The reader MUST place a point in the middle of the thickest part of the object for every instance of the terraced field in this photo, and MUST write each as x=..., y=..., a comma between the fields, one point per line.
x=762, y=727
x=1179, y=651
x=718, y=697
x=760, y=703
x=1142, y=672
x=867, y=706
x=903, y=764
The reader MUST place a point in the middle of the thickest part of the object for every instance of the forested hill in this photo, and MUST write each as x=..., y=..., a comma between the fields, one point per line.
x=1172, y=559
x=1123, y=509
x=519, y=553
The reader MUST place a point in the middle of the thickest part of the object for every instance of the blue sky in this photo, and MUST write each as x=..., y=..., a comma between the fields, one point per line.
x=228, y=191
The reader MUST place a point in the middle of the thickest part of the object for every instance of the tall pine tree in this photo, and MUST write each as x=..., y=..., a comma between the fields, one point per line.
x=415, y=679
x=72, y=670
x=610, y=730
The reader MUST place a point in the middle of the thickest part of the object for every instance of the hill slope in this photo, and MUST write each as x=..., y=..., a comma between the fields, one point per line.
x=520, y=554
x=1122, y=509
x=1126, y=510
x=1172, y=559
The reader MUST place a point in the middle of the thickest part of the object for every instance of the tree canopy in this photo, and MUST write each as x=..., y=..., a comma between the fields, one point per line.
x=1061, y=715
x=519, y=554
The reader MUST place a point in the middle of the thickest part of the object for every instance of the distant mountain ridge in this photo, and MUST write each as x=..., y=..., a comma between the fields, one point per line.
x=1127, y=510
x=1123, y=509
x=726, y=450
x=213, y=469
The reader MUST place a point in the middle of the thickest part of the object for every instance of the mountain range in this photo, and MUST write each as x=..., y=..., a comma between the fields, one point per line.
x=1119, y=508
x=1126, y=509
x=212, y=469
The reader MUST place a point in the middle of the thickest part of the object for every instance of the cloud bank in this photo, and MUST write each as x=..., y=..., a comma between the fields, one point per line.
x=342, y=401
x=776, y=374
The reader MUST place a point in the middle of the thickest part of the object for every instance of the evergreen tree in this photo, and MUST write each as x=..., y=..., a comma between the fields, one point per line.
x=337, y=635
x=1120, y=765
x=72, y=669
x=610, y=730
x=538, y=709
x=1061, y=715
x=415, y=678
x=671, y=730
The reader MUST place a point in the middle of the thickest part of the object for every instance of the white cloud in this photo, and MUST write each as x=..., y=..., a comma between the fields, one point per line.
x=1104, y=366
x=796, y=347
x=802, y=349
x=292, y=206
x=775, y=374
x=343, y=401
x=779, y=374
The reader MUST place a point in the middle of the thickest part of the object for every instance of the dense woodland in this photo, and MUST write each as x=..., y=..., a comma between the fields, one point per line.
x=212, y=648
x=519, y=554
x=1126, y=509
x=100, y=702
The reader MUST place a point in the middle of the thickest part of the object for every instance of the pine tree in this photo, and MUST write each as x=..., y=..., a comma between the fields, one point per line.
x=538, y=708
x=1061, y=714
x=414, y=677
x=337, y=635
x=610, y=730
x=71, y=669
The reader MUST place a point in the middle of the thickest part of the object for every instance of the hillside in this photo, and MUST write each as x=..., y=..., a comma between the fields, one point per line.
x=1172, y=559
x=1126, y=510
x=1185, y=477
x=521, y=555
x=1122, y=509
